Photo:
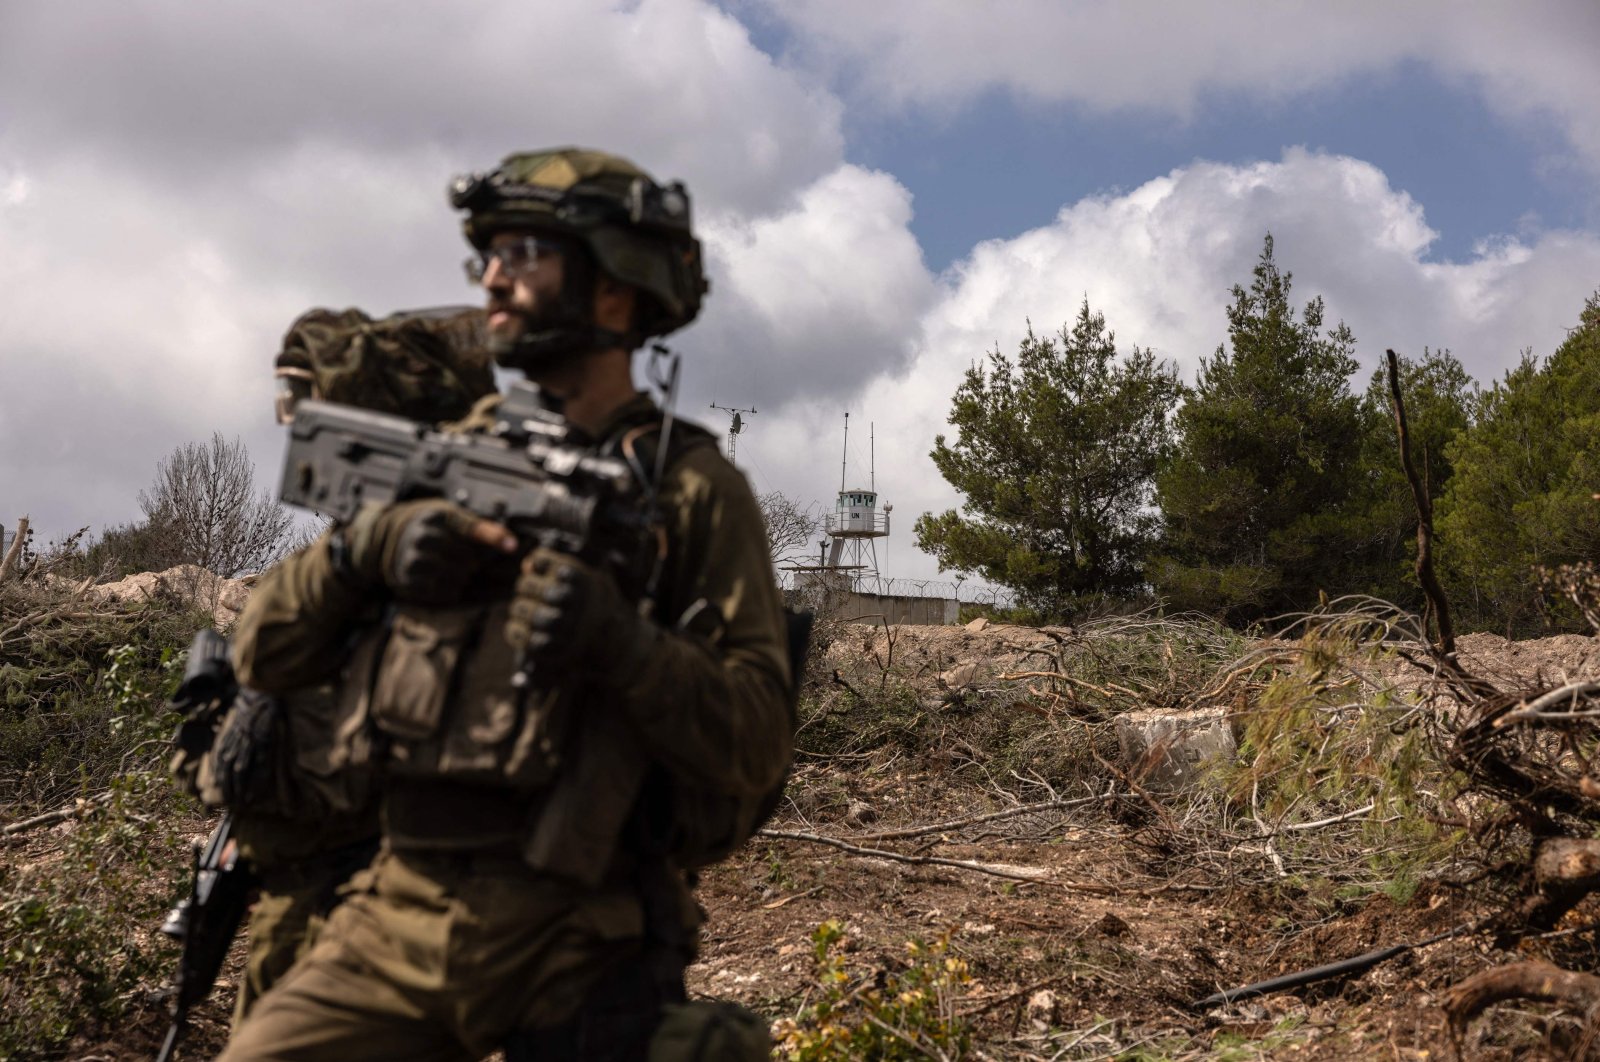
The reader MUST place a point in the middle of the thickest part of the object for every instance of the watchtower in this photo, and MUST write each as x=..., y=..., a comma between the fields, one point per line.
x=856, y=524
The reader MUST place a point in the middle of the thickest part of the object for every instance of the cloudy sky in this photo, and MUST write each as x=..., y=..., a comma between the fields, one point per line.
x=887, y=191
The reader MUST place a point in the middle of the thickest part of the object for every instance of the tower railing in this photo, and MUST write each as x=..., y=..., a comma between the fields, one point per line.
x=846, y=521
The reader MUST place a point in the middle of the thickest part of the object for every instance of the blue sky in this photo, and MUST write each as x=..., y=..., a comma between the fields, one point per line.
x=886, y=191
x=999, y=166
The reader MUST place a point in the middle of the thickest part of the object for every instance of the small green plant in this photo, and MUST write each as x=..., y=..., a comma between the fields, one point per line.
x=778, y=875
x=1234, y=1047
x=898, y=1014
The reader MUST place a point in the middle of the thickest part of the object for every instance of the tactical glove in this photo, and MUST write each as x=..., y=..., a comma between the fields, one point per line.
x=568, y=616
x=421, y=550
x=246, y=749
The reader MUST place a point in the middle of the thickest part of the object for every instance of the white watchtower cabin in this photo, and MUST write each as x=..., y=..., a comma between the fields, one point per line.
x=856, y=524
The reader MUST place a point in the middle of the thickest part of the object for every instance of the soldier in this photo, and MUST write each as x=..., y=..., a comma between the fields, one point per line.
x=530, y=894
x=302, y=826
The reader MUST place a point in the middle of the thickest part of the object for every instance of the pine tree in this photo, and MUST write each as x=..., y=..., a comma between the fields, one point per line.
x=1525, y=477
x=1256, y=501
x=1055, y=458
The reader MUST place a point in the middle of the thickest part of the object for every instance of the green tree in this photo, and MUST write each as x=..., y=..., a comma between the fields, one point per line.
x=1525, y=475
x=1257, y=499
x=1055, y=458
x=1438, y=395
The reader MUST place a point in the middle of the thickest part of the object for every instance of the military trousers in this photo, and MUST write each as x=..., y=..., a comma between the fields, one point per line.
x=288, y=915
x=283, y=926
x=441, y=956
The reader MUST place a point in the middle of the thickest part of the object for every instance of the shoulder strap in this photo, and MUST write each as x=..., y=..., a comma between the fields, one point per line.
x=637, y=442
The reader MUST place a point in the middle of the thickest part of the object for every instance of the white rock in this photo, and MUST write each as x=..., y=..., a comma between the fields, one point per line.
x=1169, y=751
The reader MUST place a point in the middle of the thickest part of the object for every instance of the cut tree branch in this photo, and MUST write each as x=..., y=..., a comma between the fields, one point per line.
x=977, y=820
x=8, y=564
x=936, y=861
x=1523, y=980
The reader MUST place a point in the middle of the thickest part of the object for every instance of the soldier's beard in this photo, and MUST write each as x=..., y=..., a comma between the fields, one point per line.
x=545, y=342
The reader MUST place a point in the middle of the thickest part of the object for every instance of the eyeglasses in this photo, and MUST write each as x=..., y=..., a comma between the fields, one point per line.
x=515, y=257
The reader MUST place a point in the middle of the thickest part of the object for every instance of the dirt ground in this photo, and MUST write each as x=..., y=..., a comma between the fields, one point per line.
x=1098, y=959
x=1084, y=936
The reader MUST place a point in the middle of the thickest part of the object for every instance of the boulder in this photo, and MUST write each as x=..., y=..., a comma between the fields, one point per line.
x=960, y=676
x=223, y=598
x=1168, y=751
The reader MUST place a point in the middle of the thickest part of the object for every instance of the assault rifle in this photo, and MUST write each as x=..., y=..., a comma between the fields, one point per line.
x=206, y=922
x=526, y=474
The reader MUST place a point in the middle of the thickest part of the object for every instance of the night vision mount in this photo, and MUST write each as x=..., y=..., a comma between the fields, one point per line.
x=648, y=205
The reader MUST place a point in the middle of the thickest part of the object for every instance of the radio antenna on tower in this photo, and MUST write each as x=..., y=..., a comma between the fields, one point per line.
x=735, y=426
x=844, y=458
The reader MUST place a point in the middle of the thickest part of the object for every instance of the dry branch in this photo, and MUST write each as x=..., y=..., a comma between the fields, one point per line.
x=1523, y=980
x=976, y=820
x=936, y=861
x=1538, y=708
x=8, y=563
x=49, y=818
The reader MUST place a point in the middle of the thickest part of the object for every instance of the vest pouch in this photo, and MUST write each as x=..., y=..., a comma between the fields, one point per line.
x=496, y=734
x=419, y=663
x=327, y=772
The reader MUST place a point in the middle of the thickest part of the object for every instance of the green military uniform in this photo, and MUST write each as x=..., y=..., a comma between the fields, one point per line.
x=295, y=895
x=311, y=823
x=303, y=837
x=302, y=828
x=508, y=885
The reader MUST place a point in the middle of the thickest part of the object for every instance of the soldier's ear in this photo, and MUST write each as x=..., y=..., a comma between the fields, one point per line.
x=615, y=304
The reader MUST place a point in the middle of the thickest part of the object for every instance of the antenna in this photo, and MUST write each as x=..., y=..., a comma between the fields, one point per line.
x=872, y=456
x=845, y=456
x=664, y=365
x=735, y=426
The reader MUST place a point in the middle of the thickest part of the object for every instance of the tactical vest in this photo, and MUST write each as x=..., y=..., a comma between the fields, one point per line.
x=471, y=761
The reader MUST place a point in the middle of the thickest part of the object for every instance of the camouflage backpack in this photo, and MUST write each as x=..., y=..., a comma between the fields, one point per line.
x=428, y=365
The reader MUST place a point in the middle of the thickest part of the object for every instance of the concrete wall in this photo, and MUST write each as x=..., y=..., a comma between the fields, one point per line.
x=881, y=608
x=876, y=608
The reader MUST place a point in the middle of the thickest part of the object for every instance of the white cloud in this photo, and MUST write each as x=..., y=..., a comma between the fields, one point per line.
x=816, y=300
x=1527, y=61
x=202, y=93
x=177, y=183
x=1159, y=262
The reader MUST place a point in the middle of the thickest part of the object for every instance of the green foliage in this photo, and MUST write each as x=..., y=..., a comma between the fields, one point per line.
x=1055, y=459
x=908, y=1013
x=61, y=728
x=127, y=549
x=1525, y=475
x=1438, y=400
x=1318, y=738
x=1256, y=498
x=84, y=725
x=75, y=947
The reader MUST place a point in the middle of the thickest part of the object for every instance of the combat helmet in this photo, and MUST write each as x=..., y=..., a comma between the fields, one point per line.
x=636, y=231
